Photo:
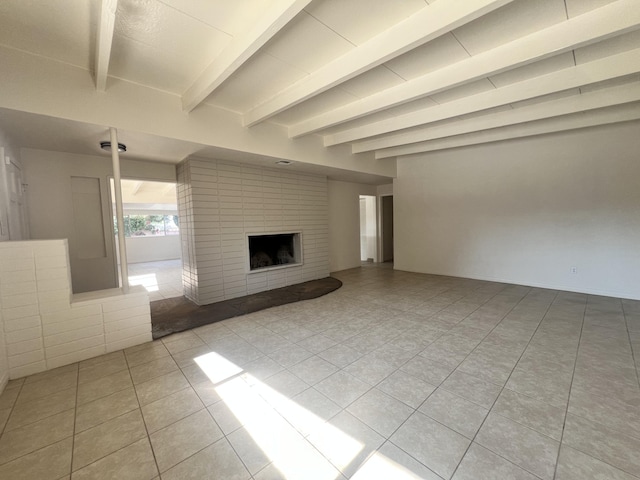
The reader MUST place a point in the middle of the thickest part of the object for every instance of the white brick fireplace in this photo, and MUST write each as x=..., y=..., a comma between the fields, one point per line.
x=221, y=203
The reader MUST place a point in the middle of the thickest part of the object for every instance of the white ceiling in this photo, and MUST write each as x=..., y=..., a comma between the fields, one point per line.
x=390, y=77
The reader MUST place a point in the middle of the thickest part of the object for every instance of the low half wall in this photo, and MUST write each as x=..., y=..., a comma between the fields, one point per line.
x=45, y=326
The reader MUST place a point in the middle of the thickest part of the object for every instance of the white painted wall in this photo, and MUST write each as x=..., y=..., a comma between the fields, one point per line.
x=344, y=223
x=526, y=211
x=50, y=202
x=152, y=249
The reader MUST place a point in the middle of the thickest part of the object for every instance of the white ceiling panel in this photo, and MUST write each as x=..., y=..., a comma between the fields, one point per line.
x=438, y=53
x=463, y=91
x=231, y=17
x=303, y=35
x=611, y=83
x=388, y=114
x=578, y=7
x=371, y=82
x=44, y=28
x=321, y=103
x=548, y=65
x=263, y=76
x=359, y=20
x=621, y=43
x=547, y=98
x=153, y=45
x=512, y=21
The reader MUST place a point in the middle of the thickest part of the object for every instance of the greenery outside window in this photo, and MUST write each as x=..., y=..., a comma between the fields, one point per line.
x=149, y=225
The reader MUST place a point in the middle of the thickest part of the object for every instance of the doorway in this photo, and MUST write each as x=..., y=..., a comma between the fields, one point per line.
x=152, y=236
x=368, y=230
x=386, y=227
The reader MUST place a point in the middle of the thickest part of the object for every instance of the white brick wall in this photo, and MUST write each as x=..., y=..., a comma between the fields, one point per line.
x=220, y=202
x=45, y=326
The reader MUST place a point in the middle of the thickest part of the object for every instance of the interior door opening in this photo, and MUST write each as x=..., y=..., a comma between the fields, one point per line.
x=368, y=229
x=152, y=236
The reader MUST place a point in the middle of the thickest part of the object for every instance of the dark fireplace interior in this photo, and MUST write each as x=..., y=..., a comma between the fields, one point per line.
x=272, y=250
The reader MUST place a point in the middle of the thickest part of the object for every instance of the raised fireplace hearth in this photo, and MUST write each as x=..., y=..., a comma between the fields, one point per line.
x=274, y=250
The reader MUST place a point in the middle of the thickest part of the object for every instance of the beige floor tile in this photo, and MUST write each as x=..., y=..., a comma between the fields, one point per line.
x=48, y=374
x=575, y=465
x=106, y=438
x=42, y=388
x=95, y=371
x=467, y=386
x=527, y=448
x=342, y=388
x=457, y=413
x=4, y=416
x=207, y=392
x=150, y=352
x=30, y=412
x=101, y=359
x=106, y=385
x=313, y=370
x=171, y=408
x=604, y=443
x=216, y=462
x=406, y=388
x=389, y=462
x=30, y=438
x=346, y=442
x=370, y=369
x=252, y=455
x=160, y=387
x=532, y=413
x=99, y=411
x=380, y=411
x=155, y=368
x=482, y=464
x=8, y=397
x=427, y=370
x=182, y=439
x=134, y=462
x=432, y=444
x=48, y=463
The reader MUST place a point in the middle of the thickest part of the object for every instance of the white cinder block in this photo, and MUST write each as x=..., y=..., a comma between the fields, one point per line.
x=18, y=288
x=51, y=285
x=129, y=322
x=73, y=335
x=52, y=250
x=132, y=302
x=16, y=264
x=24, y=334
x=24, y=346
x=20, y=300
x=20, y=312
x=26, y=358
x=56, y=296
x=52, y=262
x=128, y=313
x=120, y=335
x=75, y=346
x=61, y=274
x=49, y=329
x=9, y=277
x=50, y=307
x=21, y=323
x=69, y=358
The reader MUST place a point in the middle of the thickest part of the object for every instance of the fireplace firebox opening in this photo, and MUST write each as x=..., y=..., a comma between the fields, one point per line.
x=274, y=250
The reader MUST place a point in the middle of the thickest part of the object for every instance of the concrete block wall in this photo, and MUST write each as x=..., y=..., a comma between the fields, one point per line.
x=46, y=326
x=220, y=202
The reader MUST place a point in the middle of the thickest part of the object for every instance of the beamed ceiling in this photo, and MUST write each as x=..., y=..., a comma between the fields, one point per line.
x=371, y=79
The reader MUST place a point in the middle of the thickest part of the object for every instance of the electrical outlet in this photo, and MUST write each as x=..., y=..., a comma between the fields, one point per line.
x=574, y=270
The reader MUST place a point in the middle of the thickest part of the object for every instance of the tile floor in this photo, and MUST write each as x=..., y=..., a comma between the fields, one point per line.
x=161, y=279
x=393, y=376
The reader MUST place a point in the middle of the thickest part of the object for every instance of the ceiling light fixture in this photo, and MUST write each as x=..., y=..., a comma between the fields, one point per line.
x=107, y=147
x=284, y=162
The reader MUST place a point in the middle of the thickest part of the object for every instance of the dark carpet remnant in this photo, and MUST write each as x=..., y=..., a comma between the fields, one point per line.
x=172, y=315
